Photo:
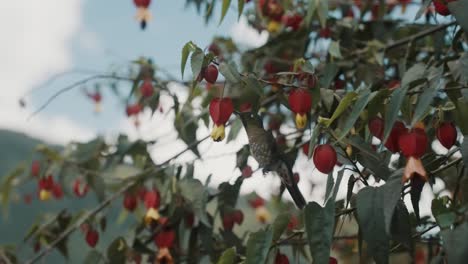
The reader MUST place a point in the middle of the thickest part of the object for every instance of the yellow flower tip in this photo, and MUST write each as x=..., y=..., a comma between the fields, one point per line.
x=218, y=134
x=262, y=214
x=301, y=121
x=164, y=256
x=143, y=14
x=151, y=215
x=44, y=195
x=273, y=26
x=420, y=125
x=349, y=150
x=97, y=107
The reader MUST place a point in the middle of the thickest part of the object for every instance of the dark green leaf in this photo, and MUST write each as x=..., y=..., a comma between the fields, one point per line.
x=86, y=152
x=196, y=62
x=234, y=131
x=329, y=74
x=322, y=12
x=443, y=215
x=116, y=252
x=258, y=246
x=253, y=84
x=359, y=106
x=280, y=224
x=344, y=104
x=458, y=10
x=194, y=192
x=370, y=216
x=7, y=185
x=319, y=223
x=425, y=99
x=93, y=257
x=422, y=9
x=240, y=8
x=224, y=9
x=228, y=256
x=369, y=159
x=401, y=226
x=464, y=151
x=414, y=73
x=188, y=47
x=228, y=194
x=456, y=244
x=229, y=71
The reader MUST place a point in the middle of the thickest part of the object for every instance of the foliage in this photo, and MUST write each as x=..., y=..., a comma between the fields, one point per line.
x=357, y=61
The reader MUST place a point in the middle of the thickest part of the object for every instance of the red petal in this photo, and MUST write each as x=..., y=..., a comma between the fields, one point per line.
x=221, y=110
x=447, y=134
x=300, y=101
x=165, y=239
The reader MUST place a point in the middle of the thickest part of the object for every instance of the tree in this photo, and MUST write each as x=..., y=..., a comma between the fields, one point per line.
x=369, y=95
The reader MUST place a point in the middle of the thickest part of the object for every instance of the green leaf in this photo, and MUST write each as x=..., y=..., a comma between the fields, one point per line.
x=229, y=71
x=97, y=185
x=280, y=224
x=196, y=62
x=224, y=9
x=313, y=140
x=258, y=246
x=344, y=104
x=235, y=129
x=458, y=9
x=339, y=177
x=88, y=151
x=329, y=73
x=196, y=195
x=7, y=185
x=240, y=8
x=369, y=159
x=391, y=193
x=334, y=49
x=361, y=103
x=252, y=83
x=329, y=186
x=414, y=73
x=228, y=256
x=370, y=216
x=425, y=99
x=456, y=244
x=322, y=12
x=422, y=9
x=93, y=257
x=443, y=215
x=116, y=252
x=228, y=193
x=310, y=12
x=50, y=153
x=464, y=151
x=186, y=50
x=401, y=226
x=319, y=222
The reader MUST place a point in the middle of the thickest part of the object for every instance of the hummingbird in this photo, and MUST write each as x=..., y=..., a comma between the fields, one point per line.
x=270, y=158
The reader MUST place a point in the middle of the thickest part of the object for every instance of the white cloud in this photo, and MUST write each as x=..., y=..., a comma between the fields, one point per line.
x=35, y=45
x=245, y=35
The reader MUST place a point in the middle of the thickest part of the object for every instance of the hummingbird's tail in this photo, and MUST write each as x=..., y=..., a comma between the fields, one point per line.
x=287, y=178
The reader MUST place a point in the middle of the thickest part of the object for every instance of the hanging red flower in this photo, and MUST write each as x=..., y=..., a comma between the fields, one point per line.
x=80, y=189
x=165, y=238
x=143, y=15
x=46, y=185
x=147, y=89
x=447, y=134
x=300, y=102
x=220, y=111
x=413, y=144
x=324, y=158
x=392, y=141
x=35, y=168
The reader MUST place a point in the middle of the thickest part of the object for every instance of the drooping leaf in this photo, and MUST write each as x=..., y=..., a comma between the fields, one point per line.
x=258, y=246
x=240, y=8
x=464, y=151
x=422, y=9
x=93, y=257
x=196, y=62
x=329, y=74
x=186, y=50
x=7, y=185
x=229, y=71
x=224, y=9
x=425, y=99
x=280, y=224
x=359, y=106
x=458, y=10
x=401, y=226
x=196, y=195
x=334, y=49
x=370, y=216
x=344, y=104
x=322, y=12
x=228, y=256
x=414, y=73
x=116, y=252
x=456, y=244
x=228, y=193
x=443, y=215
x=236, y=126
x=319, y=222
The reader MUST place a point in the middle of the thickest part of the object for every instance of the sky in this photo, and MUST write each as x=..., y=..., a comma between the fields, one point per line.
x=41, y=39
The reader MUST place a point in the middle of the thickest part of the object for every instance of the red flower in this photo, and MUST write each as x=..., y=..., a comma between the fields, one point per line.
x=35, y=168
x=130, y=202
x=228, y=222
x=165, y=238
x=152, y=199
x=413, y=143
x=292, y=21
x=324, y=158
x=300, y=102
x=92, y=237
x=325, y=33
x=447, y=134
x=247, y=171
x=133, y=109
x=441, y=7
x=281, y=259
x=392, y=141
x=257, y=202
x=332, y=260
x=142, y=3
x=220, y=111
x=376, y=127
x=210, y=73
x=79, y=189
x=147, y=88
x=238, y=217
x=57, y=191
